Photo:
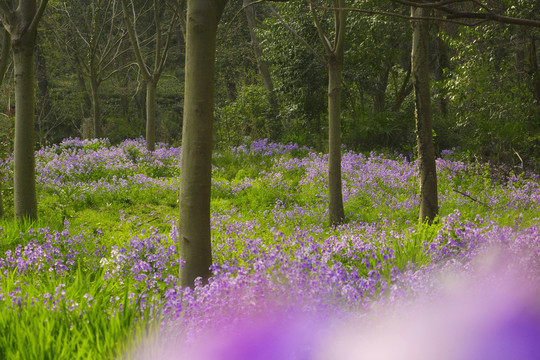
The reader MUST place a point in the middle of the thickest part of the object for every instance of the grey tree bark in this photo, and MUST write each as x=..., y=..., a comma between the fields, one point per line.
x=96, y=107
x=4, y=61
x=151, y=76
x=424, y=134
x=93, y=45
x=264, y=70
x=534, y=71
x=195, y=181
x=21, y=22
x=334, y=53
x=196, y=163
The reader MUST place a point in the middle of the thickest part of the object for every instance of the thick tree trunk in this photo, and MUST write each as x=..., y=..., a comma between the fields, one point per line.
x=151, y=115
x=336, y=211
x=24, y=173
x=426, y=154
x=195, y=182
x=96, y=109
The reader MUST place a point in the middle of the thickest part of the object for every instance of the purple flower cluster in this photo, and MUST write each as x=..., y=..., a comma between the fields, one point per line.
x=265, y=148
x=283, y=283
x=52, y=252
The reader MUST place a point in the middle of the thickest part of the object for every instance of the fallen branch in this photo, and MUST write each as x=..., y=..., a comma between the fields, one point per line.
x=473, y=199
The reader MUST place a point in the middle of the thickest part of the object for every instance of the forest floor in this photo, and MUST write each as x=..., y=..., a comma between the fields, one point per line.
x=96, y=276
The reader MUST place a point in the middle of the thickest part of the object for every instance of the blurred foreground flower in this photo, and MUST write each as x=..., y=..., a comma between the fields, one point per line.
x=488, y=309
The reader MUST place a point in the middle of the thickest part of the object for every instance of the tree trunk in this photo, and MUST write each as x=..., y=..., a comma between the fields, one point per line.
x=379, y=98
x=1, y=202
x=424, y=133
x=404, y=91
x=195, y=181
x=96, y=110
x=335, y=209
x=443, y=61
x=535, y=72
x=43, y=93
x=4, y=61
x=25, y=202
x=264, y=71
x=151, y=86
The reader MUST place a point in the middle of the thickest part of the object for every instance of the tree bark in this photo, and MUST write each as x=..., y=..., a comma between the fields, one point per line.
x=96, y=108
x=264, y=71
x=443, y=61
x=535, y=72
x=195, y=181
x=151, y=86
x=424, y=134
x=334, y=54
x=379, y=98
x=404, y=91
x=22, y=23
x=4, y=60
x=44, y=104
x=25, y=201
x=335, y=209
x=1, y=203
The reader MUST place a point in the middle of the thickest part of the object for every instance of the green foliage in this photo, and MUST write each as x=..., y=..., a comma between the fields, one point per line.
x=494, y=111
x=247, y=116
x=381, y=130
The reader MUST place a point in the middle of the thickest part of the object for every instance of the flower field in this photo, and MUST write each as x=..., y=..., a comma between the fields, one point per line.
x=96, y=276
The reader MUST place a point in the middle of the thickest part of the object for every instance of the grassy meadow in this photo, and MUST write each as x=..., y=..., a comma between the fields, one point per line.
x=96, y=276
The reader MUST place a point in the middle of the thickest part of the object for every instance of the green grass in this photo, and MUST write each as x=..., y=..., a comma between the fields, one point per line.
x=98, y=330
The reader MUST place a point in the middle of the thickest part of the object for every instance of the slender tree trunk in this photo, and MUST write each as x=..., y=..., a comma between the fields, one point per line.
x=151, y=86
x=404, y=91
x=24, y=173
x=86, y=97
x=43, y=93
x=1, y=203
x=264, y=71
x=535, y=72
x=336, y=211
x=426, y=154
x=379, y=98
x=195, y=182
x=96, y=109
x=443, y=61
x=4, y=60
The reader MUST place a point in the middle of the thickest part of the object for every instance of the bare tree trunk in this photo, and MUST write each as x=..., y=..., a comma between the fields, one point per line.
x=23, y=24
x=535, y=72
x=25, y=201
x=404, y=91
x=4, y=60
x=424, y=134
x=264, y=71
x=195, y=182
x=379, y=98
x=96, y=109
x=44, y=103
x=151, y=86
x=335, y=209
x=443, y=61
x=334, y=54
